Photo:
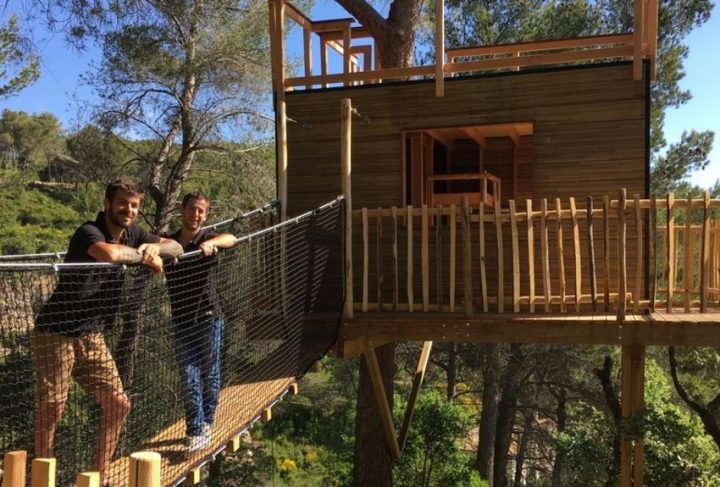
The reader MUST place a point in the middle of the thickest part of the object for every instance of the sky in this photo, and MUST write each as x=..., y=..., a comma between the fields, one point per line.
x=61, y=92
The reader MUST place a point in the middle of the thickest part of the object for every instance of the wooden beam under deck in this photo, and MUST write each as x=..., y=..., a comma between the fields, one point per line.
x=660, y=329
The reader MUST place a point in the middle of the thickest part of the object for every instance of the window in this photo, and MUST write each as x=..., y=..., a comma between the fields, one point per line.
x=484, y=163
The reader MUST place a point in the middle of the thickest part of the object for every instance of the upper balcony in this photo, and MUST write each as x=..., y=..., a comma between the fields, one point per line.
x=356, y=60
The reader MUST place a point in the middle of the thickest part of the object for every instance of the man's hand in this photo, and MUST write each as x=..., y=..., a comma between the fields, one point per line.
x=207, y=248
x=154, y=262
x=149, y=249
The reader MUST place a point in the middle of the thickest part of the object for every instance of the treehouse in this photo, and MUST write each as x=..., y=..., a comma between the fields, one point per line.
x=499, y=195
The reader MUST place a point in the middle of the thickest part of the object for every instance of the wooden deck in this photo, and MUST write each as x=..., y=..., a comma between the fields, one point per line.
x=659, y=328
x=240, y=406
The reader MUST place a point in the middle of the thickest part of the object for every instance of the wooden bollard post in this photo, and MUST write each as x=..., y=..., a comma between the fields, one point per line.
x=88, y=479
x=42, y=472
x=14, y=463
x=266, y=415
x=145, y=469
x=293, y=389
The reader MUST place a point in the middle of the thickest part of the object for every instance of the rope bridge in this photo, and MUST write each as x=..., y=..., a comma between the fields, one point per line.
x=280, y=291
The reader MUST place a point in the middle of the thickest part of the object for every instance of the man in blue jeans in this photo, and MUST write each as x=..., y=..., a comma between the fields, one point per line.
x=197, y=318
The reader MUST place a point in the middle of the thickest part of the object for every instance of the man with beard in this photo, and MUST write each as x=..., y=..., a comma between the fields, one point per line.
x=198, y=318
x=68, y=341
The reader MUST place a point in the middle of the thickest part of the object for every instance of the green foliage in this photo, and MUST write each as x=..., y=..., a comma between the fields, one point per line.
x=310, y=440
x=682, y=158
x=677, y=449
x=433, y=455
x=28, y=141
x=19, y=66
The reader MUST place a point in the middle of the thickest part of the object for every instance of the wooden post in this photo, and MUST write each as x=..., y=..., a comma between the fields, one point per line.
x=396, y=289
x=467, y=258
x=366, y=260
x=483, y=270
x=500, y=258
x=382, y=400
x=410, y=294
x=307, y=51
x=439, y=285
x=439, y=48
x=653, y=251
x=591, y=252
x=417, y=382
x=378, y=256
x=42, y=472
x=14, y=465
x=88, y=479
x=453, y=257
x=346, y=179
x=688, y=243
x=531, y=253
x=622, y=262
x=670, y=250
x=638, y=37
x=626, y=405
x=144, y=469
x=515, y=258
x=266, y=415
x=282, y=159
x=638, y=398
x=576, y=248
x=193, y=477
x=638, y=256
x=606, y=251
x=561, y=258
x=294, y=389
x=545, y=253
x=425, y=257
x=704, y=253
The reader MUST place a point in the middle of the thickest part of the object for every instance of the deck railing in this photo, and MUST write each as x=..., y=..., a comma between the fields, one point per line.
x=610, y=256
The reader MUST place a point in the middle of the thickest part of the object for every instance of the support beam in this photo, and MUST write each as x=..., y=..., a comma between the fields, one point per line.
x=638, y=38
x=632, y=402
x=346, y=156
x=88, y=479
x=417, y=383
x=382, y=400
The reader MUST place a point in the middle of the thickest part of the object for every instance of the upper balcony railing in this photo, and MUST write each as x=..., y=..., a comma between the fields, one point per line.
x=359, y=58
x=612, y=256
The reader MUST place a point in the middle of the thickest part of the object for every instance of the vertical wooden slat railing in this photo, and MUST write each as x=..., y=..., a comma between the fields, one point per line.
x=545, y=251
x=561, y=256
x=622, y=262
x=531, y=255
x=576, y=251
x=653, y=266
x=687, y=242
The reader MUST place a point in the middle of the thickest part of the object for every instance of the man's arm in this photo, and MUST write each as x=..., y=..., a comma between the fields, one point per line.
x=122, y=254
x=166, y=247
x=221, y=241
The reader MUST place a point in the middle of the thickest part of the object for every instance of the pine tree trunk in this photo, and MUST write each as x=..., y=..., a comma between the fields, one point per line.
x=373, y=461
x=452, y=371
x=561, y=424
x=506, y=415
x=488, y=416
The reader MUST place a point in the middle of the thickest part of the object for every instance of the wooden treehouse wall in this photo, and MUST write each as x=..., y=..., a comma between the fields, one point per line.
x=590, y=131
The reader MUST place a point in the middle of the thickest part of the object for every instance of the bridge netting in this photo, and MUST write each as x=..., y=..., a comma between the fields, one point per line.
x=279, y=291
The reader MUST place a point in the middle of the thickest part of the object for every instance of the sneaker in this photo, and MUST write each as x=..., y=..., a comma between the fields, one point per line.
x=197, y=443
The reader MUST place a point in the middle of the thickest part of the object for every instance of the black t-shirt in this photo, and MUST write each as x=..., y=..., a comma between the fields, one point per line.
x=192, y=285
x=86, y=300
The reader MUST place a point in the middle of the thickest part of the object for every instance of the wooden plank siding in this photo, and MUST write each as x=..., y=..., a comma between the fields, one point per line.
x=589, y=133
x=589, y=140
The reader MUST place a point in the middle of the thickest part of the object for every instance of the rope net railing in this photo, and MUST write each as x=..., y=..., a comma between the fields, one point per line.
x=201, y=348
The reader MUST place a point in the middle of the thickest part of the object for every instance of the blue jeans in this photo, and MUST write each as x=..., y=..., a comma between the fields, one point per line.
x=198, y=355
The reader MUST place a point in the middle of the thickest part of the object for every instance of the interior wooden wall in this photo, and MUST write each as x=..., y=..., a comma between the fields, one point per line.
x=589, y=138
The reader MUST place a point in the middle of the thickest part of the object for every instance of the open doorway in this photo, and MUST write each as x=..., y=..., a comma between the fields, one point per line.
x=484, y=163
